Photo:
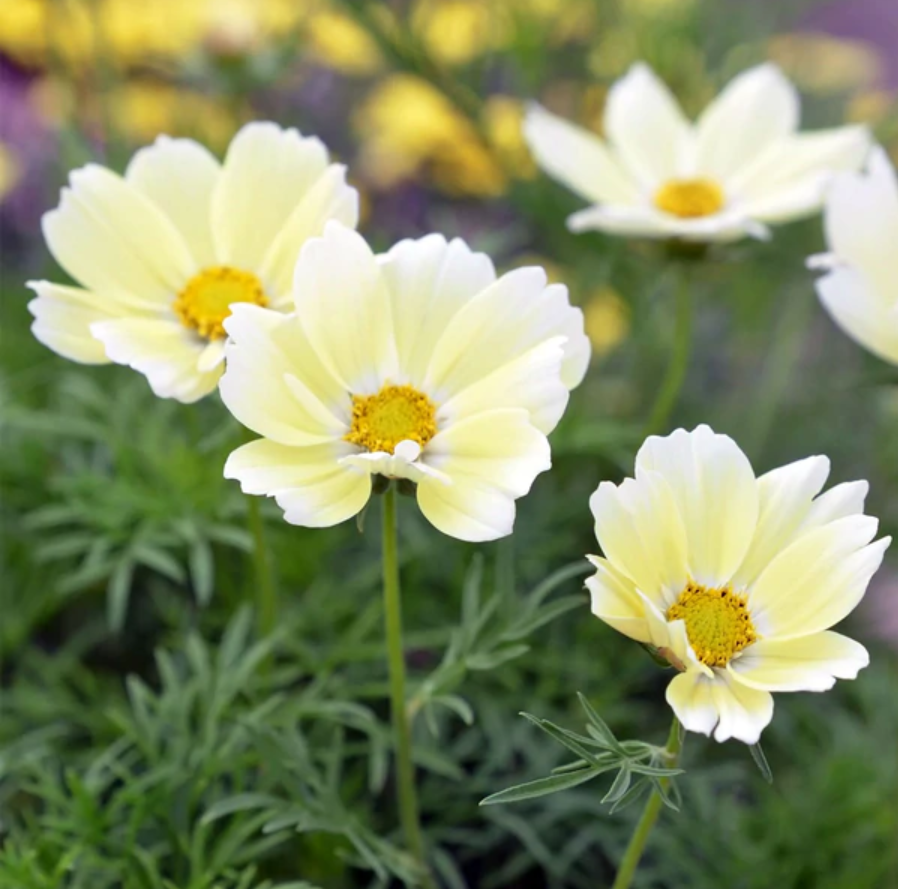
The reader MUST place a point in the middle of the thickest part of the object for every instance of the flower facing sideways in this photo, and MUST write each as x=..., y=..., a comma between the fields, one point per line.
x=741, y=165
x=420, y=364
x=162, y=253
x=736, y=580
x=860, y=290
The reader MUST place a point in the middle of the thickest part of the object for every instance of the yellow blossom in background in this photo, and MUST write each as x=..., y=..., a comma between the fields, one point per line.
x=456, y=31
x=9, y=171
x=606, y=320
x=409, y=129
x=871, y=106
x=819, y=63
x=502, y=119
x=341, y=43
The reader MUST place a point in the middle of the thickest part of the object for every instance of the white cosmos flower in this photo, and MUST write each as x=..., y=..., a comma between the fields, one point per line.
x=741, y=165
x=162, y=252
x=860, y=290
x=420, y=364
x=735, y=579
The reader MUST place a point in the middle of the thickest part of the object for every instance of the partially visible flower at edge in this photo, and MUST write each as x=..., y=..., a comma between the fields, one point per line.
x=734, y=579
x=162, y=253
x=740, y=167
x=860, y=287
x=419, y=364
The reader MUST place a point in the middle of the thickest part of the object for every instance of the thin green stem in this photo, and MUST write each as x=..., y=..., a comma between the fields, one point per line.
x=266, y=592
x=679, y=359
x=649, y=816
x=505, y=573
x=405, y=770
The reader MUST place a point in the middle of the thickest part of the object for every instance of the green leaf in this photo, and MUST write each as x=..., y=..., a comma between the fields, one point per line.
x=540, y=787
x=241, y=802
x=544, y=615
x=757, y=754
x=619, y=786
x=118, y=592
x=489, y=660
x=601, y=732
x=202, y=570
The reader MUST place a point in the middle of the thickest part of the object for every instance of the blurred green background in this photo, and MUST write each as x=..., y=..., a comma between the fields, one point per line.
x=148, y=739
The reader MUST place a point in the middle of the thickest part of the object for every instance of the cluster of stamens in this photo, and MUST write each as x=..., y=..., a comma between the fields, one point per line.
x=205, y=302
x=690, y=198
x=392, y=415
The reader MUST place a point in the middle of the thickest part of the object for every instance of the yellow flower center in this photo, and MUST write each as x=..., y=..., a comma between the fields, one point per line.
x=395, y=414
x=718, y=624
x=206, y=300
x=690, y=198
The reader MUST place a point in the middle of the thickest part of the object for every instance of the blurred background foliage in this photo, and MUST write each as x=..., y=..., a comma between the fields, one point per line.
x=148, y=738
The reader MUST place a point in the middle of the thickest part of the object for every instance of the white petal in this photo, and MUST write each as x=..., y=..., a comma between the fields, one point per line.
x=757, y=109
x=641, y=533
x=690, y=698
x=715, y=492
x=501, y=323
x=211, y=356
x=744, y=712
x=644, y=123
x=614, y=599
x=817, y=580
x=532, y=381
x=861, y=312
x=785, y=502
x=577, y=158
x=343, y=305
x=467, y=509
x=307, y=482
x=267, y=172
x=63, y=316
x=165, y=352
x=116, y=242
x=178, y=176
x=499, y=449
x=328, y=198
x=429, y=281
x=836, y=503
x=811, y=663
x=275, y=383
x=396, y=465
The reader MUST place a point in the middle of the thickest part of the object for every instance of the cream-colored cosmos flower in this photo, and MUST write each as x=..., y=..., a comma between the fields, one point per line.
x=860, y=290
x=735, y=579
x=741, y=165
x=162, y=253
x=420, y=364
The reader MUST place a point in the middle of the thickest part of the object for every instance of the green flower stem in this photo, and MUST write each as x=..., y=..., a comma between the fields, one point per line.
x=405, y=770
x=679, y=359
x=266, y=593
x=649, y=816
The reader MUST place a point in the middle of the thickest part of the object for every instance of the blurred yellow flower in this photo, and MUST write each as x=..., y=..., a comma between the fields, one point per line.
x=456, y=31
x=871, y=106
x=409, y=129
x=342, y=44
x=503, y=118
x=820, y=63
x=9, y=171
x=606, y=320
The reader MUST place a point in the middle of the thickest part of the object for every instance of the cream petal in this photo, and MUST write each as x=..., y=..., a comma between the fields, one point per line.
x=275, y=383
x=793, y=201
x=646, y=127
x=266, y=173
x=785, y=496
x=63, y=316
x=397, y=464
x=861, y=223
x=532, y=382
x=467, y=509
x=165, y=352
x=577, y=158
x=343, y=305
x=743, y=712
x=429, y=281
x=614, y=599
x=328, y=198
x=836, y=503
x=327, y=500
x=211, y=356
x=266, y=467
x=116, y=242
x=817, y=580
x=754, y=112
x=640, y=531
x=861, y=312
x=178, y=176
x=690, y=697
x=811, y=663
x=499, y=449
x=716, y=495
x=501, y=323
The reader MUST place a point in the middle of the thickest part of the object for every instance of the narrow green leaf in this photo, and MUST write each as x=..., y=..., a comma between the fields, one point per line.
x=540, y=787
x=619, y=786
x=757, y=754
x=118, y=592
x=241, y=802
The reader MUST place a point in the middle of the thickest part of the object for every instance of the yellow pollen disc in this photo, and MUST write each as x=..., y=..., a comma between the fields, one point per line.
x=690, y=198
x=206, y=300
x=395, y=414
x=718, y=624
